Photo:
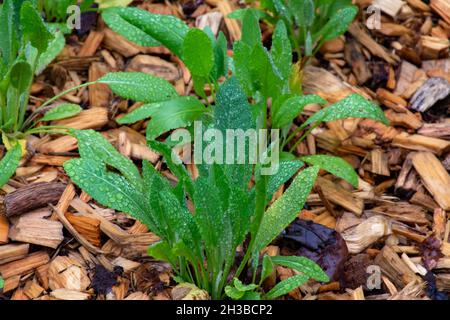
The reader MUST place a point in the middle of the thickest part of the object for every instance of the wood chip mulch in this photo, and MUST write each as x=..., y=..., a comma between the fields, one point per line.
x=57, y=243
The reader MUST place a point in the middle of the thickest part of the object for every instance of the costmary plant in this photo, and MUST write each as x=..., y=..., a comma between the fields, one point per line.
x=203, y=222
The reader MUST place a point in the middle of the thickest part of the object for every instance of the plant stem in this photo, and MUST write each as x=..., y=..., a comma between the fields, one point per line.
x=36, y=112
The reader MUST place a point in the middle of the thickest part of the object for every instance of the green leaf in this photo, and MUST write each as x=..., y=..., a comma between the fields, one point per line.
x=281, y=50
x=177, y=113
x=286, y=286
x=292, y=107
x=21, y=76
x=251, y=33
x=232, y=111
x=267, y=268
x=115, y=21
x=63, y=111
x=239, y=14
x=92, y=145
x=139, y=86
x=334, y=165
x=9, y=41
x=353, y=106
x=34, y=28
x=285, y=171
x=243, y=287
x=234, y=293
x=54, y=48
x=9, y=164
x=198, y=54
x=2, y=283
x=162, y=251
x=166, y=29
x=303, y=265
x=338, y=23
x=109, y=189
x=251, y=295
x=303, y=12
x=283, y=211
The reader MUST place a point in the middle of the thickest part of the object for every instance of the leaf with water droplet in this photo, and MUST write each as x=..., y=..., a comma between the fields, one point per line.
x=334, y=165
x=139, y=86
x=283, y=211
x=9, y=163
x=62, y=111
x=353, y=106
x=166, y=29
x=285, y=286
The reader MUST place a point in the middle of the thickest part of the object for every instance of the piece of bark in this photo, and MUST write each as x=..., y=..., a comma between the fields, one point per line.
x=442, y=7
x=11, y=283
x=154, y=66
x=87, y=227
x=135, y=150
x=59, y=145
x=42, y=275
x=407, y=232
x=338, y=195
x=393, y=29
x=355, y=58
x=403, y=212
x=226, y=7
x=405, y=119
x=324, y=83
x=433, y=90
x=419, y=5
x=366, y=233
x=66, y=294
x=436, y=130
x=390, y=7
x=379, y=162
x=81, y=239
x=91, y=44
x=421, y=143
x=432, y=47
x=57, y=161
x=42, y=232
x=434, y=176
x=391, y=100
x=25, y=265
x=11, y=252
x=424, y=200
x=31, y=197
x=32, y=290
x=99, y=94
x=394, y=267
x=94, y=118
x=333, y=46
x=4, y=230
x=358, y=32
x=405, y=77
x=66, y=273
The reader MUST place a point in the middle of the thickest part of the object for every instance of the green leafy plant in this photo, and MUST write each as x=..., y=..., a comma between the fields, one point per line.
x=201, y=245
x=2, y=283
x=309, y=23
